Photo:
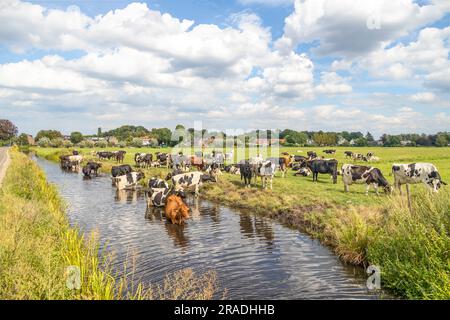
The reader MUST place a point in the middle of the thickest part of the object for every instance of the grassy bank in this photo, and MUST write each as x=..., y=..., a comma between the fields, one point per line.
x=411, y=248
x=37, y=245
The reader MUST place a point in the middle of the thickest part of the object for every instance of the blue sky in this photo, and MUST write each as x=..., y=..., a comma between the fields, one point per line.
x=316, y=65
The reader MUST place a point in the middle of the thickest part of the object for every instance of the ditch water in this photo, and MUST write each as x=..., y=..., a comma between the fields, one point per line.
x=254, y=257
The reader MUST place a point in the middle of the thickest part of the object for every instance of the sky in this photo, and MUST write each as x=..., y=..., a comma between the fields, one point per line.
x=381, y=66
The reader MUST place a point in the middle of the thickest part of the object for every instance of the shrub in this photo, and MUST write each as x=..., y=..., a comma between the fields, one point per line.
x=86, y=144
x=101, y=144
x=136, y=142
x=44, y=142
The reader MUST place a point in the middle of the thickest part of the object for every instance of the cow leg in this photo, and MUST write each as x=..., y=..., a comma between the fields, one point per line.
x=271, y=179
x=375, y=186
x=346, y=189
x=367, y=189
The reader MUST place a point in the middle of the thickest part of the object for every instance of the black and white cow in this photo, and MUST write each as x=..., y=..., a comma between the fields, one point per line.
x=413, y=173
x=329, y=151
x=266, y=171
x=311, y=155
x=157, y=183
x=191, y=180
x=323, y=166
x=128, y=180
x=348, y=154
x=143, y=159
x=121, y=170
x=102, y=155
x=352, y=174
x=157, y=196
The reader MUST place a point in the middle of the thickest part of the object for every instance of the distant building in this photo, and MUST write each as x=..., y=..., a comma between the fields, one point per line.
x=267, y=142
x=30, y=139
x=405, y=142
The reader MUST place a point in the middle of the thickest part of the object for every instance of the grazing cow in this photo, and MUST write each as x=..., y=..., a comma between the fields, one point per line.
x=285, y=162
x=163, y=158
x=143, y=159
x=179, y=161
x=255, y=162
x=412, y=173
x=323, y=166
x=329, y=151
x=374, y=159
x=120, y=156
x=363, y=174
x=266, y=171
x=102, y=155
x=246, y=173
x=191, y=180
x=128, y=180
x=176, y=210
x=370, y=154
x=91, y=168
x=311, y=155
x=157, y=183
x=120, y=170
x=359, y=156
x=348, y=154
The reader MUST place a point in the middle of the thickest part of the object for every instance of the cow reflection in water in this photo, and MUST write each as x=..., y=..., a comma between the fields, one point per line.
x=175, y=232
x=255, y=227
x=127, y=196
x=196, y=209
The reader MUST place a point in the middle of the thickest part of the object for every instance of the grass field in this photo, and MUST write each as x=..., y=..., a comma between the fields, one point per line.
x=410, y=248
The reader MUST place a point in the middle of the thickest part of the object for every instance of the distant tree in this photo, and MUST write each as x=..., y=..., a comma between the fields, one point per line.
x=76, y=137
x=50, y=134
x=441, y=140
x=22, y=140
x=164, y=135
x=369, y=137
x=361, y=142
x=127, y=132
x=393, y=141
x=295, y=137
x=99, y=132
x=136, y=142
x=180, y=127
x=101, y=144
x=56, y=143
x=7, y=130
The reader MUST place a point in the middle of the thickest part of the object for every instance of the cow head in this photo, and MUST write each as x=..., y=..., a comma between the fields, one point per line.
x=435, y=181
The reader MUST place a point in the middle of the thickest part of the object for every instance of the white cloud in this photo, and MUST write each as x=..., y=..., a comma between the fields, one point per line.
x=270, y=3
x=349, y=28
x=424, y=97
x=332, y=83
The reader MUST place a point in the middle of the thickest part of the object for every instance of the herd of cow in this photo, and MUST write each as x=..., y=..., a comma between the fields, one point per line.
x=210, y=167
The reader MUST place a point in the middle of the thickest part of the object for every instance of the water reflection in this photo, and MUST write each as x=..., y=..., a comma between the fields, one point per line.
x=128, y=196
x=256, y=227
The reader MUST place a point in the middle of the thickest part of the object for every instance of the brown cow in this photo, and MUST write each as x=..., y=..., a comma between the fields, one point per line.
x=176, y=210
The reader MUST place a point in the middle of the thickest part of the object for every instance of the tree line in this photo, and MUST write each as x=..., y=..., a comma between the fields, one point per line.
x=129, y=135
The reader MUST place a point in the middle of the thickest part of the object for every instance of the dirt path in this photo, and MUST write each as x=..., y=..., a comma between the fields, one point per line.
x=4, y=162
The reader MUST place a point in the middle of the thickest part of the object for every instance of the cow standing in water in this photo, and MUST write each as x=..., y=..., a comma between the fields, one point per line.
x=352, y=174
x=413, y=173
x=176, y=210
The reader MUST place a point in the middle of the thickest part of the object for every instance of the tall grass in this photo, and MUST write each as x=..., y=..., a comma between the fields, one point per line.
x=413, y=247
x=37, y=245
